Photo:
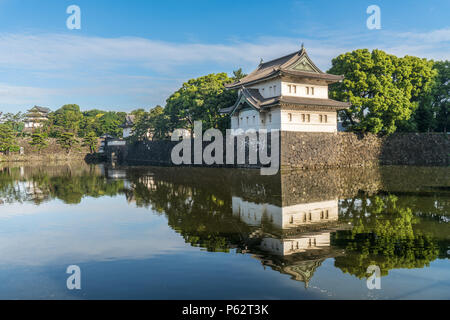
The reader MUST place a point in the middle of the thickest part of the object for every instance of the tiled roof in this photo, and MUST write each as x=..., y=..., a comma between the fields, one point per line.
x=129, y=121
x=40, y=109
x=283, y=66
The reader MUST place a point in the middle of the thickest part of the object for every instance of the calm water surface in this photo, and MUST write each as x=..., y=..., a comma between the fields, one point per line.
x=190, y=233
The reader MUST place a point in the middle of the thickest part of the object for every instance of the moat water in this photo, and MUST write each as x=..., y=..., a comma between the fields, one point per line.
x=198, y=233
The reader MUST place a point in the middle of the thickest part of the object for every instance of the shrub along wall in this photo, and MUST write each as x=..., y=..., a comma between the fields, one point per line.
x=53, y=152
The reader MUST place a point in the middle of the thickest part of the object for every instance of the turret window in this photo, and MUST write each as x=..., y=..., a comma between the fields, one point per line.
x=310, y=91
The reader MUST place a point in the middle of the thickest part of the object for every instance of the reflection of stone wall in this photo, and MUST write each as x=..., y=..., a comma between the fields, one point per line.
x=325, y=150
x=292, y=187
x=413, y=179
x=304, y=186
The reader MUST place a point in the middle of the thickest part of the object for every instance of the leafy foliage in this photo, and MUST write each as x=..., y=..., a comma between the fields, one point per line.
x=67, y=141
x=200, y=100
x=151, y=124
x=91, y=141
x=39, y=140
x=7, y=139
x=383, y=89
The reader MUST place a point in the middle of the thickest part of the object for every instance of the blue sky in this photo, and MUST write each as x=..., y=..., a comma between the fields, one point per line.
x=135, y=53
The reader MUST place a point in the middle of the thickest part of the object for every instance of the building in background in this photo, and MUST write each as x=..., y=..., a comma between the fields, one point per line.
x=36, y=117
x=127, y=126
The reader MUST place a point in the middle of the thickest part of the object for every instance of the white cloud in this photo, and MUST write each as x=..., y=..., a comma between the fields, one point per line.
x=52, y=67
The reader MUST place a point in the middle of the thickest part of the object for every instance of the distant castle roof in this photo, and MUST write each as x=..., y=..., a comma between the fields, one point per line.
x=39, y=109
x=297, y=64
x=129, y=121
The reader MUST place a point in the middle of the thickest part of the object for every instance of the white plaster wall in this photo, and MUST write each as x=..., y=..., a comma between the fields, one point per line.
x=248, y=119
x=297, y=124
x=127, y=132
x=272, y=119
x=277, y=119
x=269, y=89
x=252, y=213
x=286, y=217
x=284, y=247
x=320, y=92
x=307, y=213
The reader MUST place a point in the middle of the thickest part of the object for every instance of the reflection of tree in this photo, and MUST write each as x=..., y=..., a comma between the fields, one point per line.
x=385, y=233
x=202, y=217
x=67, y=185
x=9, y=191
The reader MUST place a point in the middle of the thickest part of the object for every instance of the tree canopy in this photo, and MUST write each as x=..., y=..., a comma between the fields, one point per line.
x=201, y=99
x=383, y=89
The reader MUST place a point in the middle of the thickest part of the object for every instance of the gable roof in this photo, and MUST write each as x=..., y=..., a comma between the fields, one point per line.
x=295, y=64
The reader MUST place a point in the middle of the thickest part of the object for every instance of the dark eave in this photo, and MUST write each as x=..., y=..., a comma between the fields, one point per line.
x=310, y=75
x=255, y=100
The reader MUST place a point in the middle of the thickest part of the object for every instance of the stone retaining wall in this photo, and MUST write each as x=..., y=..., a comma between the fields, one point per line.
x=317, y=151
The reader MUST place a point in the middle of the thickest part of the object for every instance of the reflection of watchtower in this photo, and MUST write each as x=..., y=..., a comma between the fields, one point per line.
x=297, y=244
x=286, y=217
x=300, y=269
x=293, y=239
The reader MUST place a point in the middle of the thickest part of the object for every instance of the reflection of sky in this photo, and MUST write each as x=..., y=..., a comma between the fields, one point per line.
x=96, y=230
x=432, y=282
x=129, y=252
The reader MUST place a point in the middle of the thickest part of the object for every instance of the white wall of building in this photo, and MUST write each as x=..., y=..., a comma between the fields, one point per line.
x=127, y=132
x=308, y=121
x=286, y=217
x=253, y=119
x=285, y=247
x=269, y=89
x=301, y=90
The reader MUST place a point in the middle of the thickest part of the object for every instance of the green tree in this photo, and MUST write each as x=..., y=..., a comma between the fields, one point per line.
x=91, y=141
x=151, y=124
x=200, y=100
x=441, y=96
x=39, y=140
x=15, y=120
x=384, y=90
x=238, y=74
x=8, y=139
x=110, y=123
x=68, y=117
x=67, y=141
